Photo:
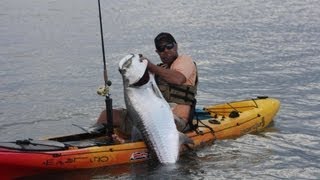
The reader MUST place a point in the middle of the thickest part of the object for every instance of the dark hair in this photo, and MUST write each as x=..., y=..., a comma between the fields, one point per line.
x=164, y=37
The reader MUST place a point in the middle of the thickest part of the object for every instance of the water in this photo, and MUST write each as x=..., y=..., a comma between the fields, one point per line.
x=51, y=66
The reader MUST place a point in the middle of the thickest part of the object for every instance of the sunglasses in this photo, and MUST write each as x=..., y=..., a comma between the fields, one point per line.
x=166, y=46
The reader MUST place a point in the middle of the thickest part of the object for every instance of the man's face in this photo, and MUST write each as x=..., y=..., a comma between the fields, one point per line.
x=168, y=52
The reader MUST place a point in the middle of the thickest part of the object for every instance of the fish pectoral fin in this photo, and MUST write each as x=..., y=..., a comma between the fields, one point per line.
x=156, y=91
x=184, y=139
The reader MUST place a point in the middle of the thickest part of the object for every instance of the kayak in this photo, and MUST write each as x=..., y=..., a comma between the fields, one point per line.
x=84, y=151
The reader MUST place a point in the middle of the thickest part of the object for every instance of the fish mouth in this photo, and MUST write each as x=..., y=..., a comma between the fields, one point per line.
x=133, y=68
x=144, y=79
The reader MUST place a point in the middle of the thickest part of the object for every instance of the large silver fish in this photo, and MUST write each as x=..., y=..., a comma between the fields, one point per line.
x=149, y=111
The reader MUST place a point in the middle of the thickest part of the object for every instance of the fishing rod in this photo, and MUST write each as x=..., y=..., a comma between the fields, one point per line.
x=107, y=83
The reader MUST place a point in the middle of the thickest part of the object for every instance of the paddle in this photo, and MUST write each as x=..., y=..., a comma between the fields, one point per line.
x=40, y=142
x=36, y=144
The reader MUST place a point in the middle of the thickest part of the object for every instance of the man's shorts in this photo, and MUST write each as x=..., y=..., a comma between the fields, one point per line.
x=126, y=124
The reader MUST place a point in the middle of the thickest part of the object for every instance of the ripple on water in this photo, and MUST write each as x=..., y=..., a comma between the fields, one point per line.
x=51, y=65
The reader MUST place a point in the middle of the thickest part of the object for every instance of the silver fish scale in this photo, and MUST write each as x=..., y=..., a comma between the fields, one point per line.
x=155, y=134
x=148, y=110
x=153, y=117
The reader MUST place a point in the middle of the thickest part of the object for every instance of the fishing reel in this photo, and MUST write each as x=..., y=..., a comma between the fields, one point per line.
x=104, y=89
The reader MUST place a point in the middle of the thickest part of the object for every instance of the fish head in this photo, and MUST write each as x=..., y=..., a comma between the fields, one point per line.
x=133, y=69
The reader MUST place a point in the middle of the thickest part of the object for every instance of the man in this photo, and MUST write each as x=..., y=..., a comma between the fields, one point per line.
x=176, y=77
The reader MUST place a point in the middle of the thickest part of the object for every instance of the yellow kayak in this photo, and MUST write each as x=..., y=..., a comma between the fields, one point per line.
x=83, y=151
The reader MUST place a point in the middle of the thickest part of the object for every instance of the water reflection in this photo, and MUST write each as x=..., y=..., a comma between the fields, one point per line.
x=51, y=65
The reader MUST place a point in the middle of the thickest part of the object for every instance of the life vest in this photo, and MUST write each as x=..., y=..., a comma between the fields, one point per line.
x=180, y=94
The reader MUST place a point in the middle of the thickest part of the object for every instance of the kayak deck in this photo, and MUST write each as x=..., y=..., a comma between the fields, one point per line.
x=82, y=151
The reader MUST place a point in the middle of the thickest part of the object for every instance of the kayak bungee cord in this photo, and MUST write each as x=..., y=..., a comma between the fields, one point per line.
x=107, y=84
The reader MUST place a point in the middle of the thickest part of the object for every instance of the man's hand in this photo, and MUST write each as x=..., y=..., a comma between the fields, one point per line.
x=143, y=58
x=169, y=75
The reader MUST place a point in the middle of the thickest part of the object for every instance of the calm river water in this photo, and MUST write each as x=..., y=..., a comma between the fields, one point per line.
x=51, y=66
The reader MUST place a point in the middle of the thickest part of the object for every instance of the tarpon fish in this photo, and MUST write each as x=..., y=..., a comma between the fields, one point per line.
x=149, y=111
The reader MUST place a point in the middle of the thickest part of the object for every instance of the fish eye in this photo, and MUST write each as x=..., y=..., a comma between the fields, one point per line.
x=122, y=71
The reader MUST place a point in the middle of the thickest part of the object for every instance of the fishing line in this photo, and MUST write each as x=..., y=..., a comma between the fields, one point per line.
x=107, y=83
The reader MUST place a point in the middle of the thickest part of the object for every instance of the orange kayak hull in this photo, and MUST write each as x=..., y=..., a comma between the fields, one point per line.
x=222, y=121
